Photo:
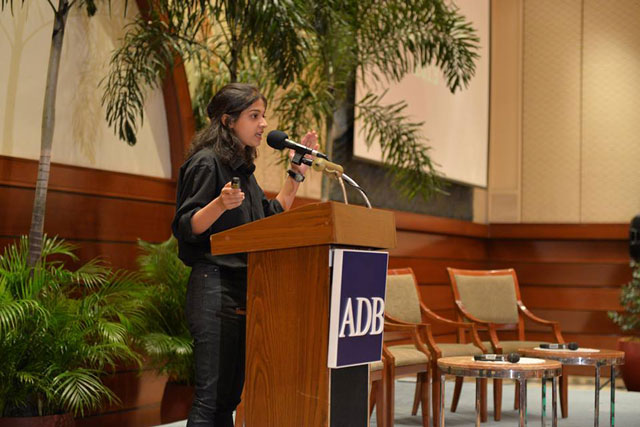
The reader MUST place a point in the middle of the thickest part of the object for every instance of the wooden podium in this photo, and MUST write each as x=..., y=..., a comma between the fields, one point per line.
x=288, y=382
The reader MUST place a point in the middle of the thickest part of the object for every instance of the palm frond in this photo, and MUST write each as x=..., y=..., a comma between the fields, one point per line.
x=394, y=39
x=59, y=328
x=404, y=149
x=148, y=50
x=15, y=313
x=81, y=389
x=4, y=4
x=161, y=345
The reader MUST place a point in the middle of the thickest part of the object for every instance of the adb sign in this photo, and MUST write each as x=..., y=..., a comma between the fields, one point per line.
x=369, y=317
x=356, y=322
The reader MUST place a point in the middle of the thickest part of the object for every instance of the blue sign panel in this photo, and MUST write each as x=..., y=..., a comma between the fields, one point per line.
x=358, y=289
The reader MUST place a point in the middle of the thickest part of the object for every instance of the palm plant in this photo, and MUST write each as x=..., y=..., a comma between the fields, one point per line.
x=306, y=55
x=166, y=339
x=60, y=14
x=60, y=330
x=199, y=31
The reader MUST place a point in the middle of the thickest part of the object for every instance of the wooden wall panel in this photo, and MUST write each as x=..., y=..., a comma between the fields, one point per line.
x=427, y=245
x=576, y=321
x=117, y=254
x=565, y=274
x=594, y=299
x=567, y=251
x=15, y=172
x=88, y=217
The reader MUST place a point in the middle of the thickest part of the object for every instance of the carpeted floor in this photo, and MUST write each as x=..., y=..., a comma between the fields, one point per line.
x=581, y=406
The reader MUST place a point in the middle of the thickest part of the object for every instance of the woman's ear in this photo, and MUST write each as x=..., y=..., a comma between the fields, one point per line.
x=227, y=121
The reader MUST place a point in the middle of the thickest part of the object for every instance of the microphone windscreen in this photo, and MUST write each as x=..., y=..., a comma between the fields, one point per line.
x=572, y=346
x=276, y=138
x=513, y=357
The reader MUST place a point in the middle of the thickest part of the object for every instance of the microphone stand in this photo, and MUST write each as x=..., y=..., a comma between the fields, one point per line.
x=352, y=183
x=340, y=177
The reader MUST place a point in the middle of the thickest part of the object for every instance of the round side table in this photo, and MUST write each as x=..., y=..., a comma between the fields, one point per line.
x=586, y=357
x=465, y=366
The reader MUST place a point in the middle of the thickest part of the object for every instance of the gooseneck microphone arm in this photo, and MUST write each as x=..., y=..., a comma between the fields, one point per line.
x=318, y=165
x=352, y=183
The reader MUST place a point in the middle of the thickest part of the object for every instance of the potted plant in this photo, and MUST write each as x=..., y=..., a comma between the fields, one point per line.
x=60, y=331
x=167, y=341
x=629, y=321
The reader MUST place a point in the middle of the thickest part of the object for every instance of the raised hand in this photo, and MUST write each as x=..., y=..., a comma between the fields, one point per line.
x=309, y=140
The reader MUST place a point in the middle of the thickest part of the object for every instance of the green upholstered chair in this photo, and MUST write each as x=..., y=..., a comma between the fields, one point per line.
x=403, y=306
x=491, y=299
x=405, y=360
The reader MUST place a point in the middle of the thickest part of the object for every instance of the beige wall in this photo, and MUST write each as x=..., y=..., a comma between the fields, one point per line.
x=564, y=137
x=81, y=137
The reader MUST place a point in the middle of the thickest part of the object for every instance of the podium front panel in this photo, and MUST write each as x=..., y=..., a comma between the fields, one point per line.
x=288, y=382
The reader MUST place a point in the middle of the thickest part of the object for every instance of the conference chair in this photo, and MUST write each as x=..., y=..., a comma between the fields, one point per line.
x=406, y=360
x=403, y=306
x=382, y=389
x=491, y=299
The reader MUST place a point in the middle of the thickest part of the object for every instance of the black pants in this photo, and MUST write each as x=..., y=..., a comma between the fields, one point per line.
x=213, y=295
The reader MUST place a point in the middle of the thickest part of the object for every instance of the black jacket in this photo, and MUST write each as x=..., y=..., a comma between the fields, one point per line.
x=200, y=181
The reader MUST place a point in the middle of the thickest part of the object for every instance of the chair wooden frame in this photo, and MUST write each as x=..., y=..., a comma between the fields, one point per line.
x=493, y=328
x=383, y=390
x=428, y=316
x=397, y=334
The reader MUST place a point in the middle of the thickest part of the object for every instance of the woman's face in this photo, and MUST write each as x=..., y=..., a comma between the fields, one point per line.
x=251, y=124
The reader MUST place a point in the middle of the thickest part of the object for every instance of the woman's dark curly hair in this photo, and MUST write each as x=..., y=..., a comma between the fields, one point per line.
x=231, y=100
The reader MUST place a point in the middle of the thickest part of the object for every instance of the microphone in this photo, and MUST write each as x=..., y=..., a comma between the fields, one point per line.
x=511, y=357
x=279, y=140
x=570, y=346
x=330, y=168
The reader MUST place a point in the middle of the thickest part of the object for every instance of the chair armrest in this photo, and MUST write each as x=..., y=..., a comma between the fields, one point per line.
x=532, y=316
x=471, y=326
x=552, y=323
x=415, y=331
x=424, y=330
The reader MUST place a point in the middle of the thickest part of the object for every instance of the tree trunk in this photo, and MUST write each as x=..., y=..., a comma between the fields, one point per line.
x=48, y=122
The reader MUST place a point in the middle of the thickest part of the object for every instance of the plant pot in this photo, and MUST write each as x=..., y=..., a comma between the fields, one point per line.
x=60, y=420
x=176, y=402
x=631, y=368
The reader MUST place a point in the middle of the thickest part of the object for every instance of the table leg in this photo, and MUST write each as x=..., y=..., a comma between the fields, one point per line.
x=523, y=402
x=442, y=381
x=544, y=401
x=554, y=401
x=478, y=394
x=613, y=395
x=596, y=419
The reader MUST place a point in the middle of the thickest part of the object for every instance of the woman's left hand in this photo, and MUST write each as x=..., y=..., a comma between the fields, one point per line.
x=309, y=140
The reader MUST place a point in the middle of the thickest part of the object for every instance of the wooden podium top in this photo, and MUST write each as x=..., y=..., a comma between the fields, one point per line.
x=310, y=225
